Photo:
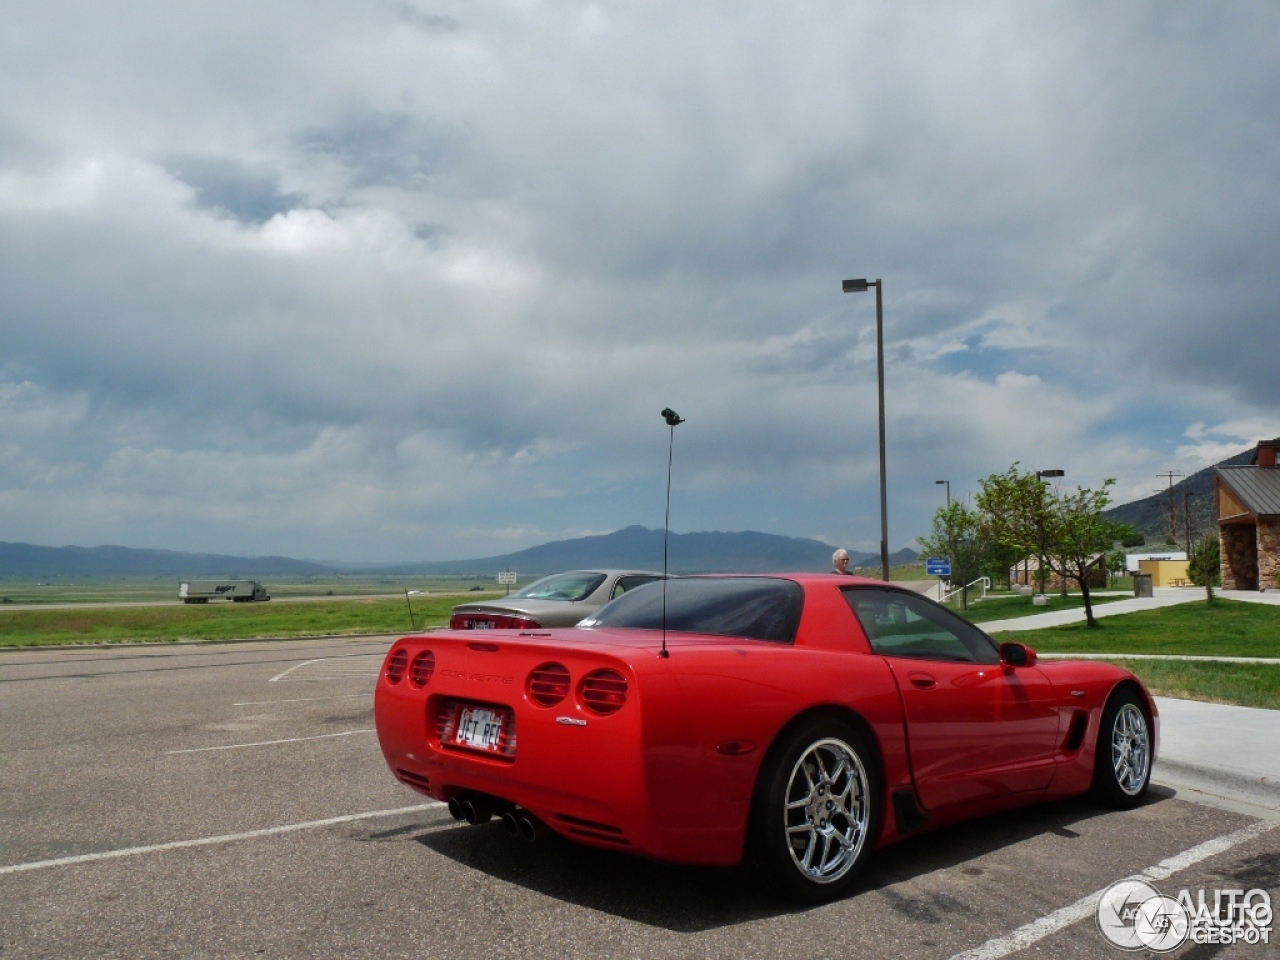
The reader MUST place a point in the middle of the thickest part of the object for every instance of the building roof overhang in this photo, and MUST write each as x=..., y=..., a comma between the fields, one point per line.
x=1258, y=488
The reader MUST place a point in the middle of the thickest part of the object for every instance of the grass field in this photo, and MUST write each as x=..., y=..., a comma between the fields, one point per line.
x=226, y=621
x=1226, y=628
x=1246, y=684
x=138, y=589
x=1006, y=607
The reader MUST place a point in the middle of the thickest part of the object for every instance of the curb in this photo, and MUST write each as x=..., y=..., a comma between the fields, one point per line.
x=1261, y=790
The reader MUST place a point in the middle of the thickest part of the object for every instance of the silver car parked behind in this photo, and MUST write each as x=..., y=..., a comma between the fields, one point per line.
x=560, y=600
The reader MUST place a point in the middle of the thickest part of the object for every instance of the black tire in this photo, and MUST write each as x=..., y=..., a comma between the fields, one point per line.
x=1122, y=763
x=790, y=850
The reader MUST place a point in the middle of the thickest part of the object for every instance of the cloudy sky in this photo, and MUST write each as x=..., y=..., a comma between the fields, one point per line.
x=380, y=280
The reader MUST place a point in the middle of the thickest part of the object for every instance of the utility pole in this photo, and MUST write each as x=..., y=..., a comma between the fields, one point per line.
x=1173, y=511
x=1186, y=516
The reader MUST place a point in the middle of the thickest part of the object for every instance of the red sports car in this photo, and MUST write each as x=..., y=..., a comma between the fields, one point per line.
x=796, y=721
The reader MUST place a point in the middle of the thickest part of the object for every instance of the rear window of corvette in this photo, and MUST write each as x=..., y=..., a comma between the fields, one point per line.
x=753, y=608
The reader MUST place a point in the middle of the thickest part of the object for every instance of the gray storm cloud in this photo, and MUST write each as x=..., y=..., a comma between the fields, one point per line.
x=391, y=281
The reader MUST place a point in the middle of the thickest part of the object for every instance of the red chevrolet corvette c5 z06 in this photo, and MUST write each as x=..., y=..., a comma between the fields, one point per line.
x=798, y=722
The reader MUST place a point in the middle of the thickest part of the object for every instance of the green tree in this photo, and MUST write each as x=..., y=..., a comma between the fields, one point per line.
x=1067, y=530
x=959, y=534
x=1205, y=567
x=1014, y=509
x=1130, y=537
x=1000, y=560
x=1116, y=561
x=1077, y=532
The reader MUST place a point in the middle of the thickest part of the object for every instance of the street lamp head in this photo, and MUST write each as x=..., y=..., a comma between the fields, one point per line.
x=940, y=482
x=1051, y=473
x=856, y=286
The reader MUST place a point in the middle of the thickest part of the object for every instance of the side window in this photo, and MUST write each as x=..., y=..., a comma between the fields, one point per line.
x=629, y=583
x=901, y=624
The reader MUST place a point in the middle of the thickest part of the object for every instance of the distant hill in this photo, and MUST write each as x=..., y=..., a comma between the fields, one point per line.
x=25, y=561
x=634, y=548
x=1150, y=515
x=640, y=548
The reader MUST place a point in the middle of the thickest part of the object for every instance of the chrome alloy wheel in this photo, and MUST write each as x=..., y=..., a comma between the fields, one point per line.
x=1130, y=749
x=827, y=810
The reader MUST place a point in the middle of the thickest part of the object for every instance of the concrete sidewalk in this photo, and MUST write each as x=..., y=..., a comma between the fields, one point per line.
x=1164, y=597
x=1227, y=751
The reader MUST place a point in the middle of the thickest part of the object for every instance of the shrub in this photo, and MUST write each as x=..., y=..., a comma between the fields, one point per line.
x=1205, y=566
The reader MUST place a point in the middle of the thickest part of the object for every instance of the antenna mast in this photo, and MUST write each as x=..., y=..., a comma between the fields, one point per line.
x=673, y=419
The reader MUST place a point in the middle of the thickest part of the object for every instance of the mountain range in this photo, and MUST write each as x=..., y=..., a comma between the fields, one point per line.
x=1150, y=515
x=633, y=547
x=639, y=548
x=26, y=561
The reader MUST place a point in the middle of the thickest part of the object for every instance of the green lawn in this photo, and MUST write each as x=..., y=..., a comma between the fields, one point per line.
x=223, y=621
x=127, y=589
x=1227, y=628
x=1007, y=607
x=1246, y=684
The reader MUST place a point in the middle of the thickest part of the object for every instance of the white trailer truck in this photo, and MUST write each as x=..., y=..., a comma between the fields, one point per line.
x=237, y=591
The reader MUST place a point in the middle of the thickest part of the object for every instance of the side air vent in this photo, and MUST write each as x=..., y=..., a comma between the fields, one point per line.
x=1075, y=735
x=424, y=665
x=396, y=665
x=603, y=692
x=548, y=684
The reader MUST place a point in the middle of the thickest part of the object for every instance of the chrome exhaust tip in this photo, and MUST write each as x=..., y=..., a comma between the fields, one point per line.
x=455, y=809
x=476, y=811
x=509, y=823
x=527, y=828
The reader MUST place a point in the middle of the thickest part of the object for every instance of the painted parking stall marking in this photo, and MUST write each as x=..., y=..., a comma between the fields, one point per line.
x=211, y=841
x=1085, y=907
x=268, y=743
x=354, y=667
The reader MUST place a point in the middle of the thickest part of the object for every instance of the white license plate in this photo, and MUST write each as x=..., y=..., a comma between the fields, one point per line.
x=479, y=728
x=481, y=624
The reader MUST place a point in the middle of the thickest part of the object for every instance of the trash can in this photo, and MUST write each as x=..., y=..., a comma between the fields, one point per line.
x=1142, y=585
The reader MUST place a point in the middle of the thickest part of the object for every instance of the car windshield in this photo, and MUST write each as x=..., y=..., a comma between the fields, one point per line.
x=754, y=608
x=562, y=586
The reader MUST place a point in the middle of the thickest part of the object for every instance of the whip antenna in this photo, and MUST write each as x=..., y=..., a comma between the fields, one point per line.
x=672, y=419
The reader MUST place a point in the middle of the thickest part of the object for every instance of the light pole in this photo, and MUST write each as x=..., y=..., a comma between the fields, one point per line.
x=948, y=483
x=862, y=286
x=1040, y=475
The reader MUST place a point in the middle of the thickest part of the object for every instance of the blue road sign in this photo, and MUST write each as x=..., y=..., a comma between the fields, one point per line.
x=938, y=566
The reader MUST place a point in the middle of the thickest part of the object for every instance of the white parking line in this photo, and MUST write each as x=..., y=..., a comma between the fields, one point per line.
x=209, y=841
x=1062, y=918
x=344, y=696
x=283, y=675
x=267, y=743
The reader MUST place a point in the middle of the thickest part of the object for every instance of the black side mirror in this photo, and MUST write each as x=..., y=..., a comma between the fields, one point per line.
x=1017, y=655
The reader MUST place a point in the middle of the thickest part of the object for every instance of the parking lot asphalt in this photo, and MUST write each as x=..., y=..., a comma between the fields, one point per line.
x=230, y=800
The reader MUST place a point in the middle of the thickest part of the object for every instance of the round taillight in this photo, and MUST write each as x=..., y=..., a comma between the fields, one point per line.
x=548, y=684
x=603, y=692
x=424, y=664
x=396, y=666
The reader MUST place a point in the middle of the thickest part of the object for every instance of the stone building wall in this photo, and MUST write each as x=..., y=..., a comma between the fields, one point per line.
x=1268, y=554
x=1239, y=556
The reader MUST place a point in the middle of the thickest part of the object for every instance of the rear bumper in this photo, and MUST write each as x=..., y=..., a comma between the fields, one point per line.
x=580, y=774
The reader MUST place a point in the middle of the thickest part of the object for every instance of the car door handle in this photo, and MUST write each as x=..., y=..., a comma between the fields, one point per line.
x=922, y=680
